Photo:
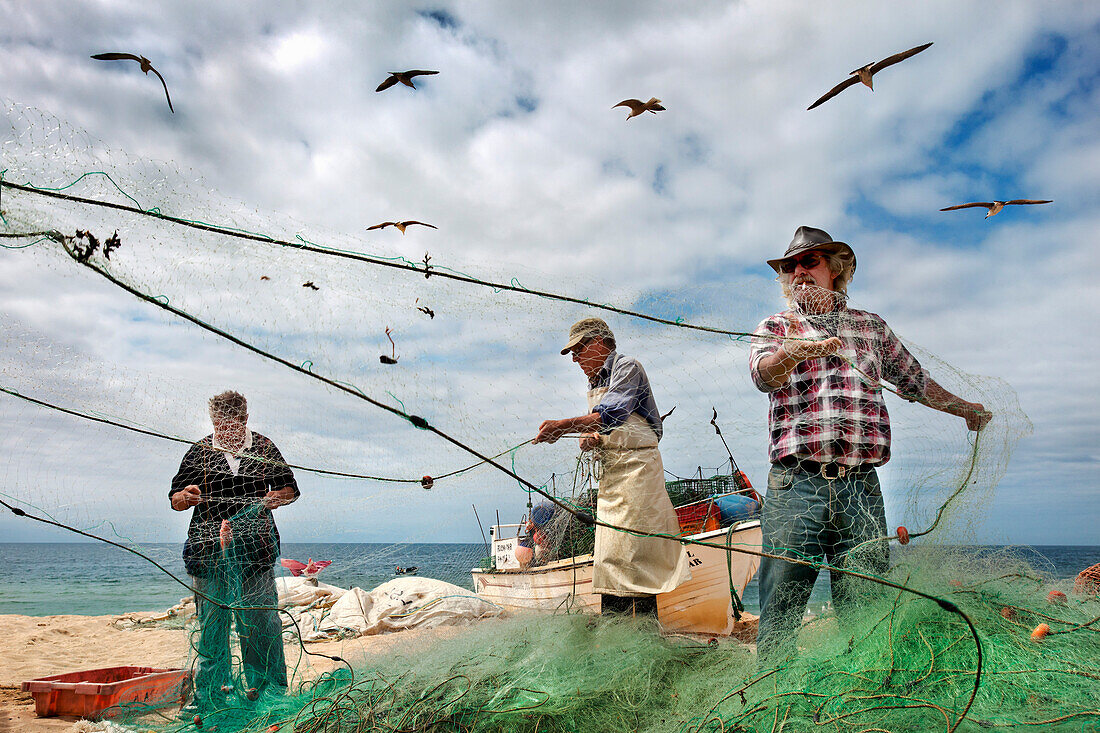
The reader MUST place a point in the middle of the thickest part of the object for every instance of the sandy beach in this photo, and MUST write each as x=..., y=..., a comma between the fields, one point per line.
x=36, y=646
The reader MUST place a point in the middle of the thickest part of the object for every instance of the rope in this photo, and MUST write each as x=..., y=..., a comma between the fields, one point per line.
x=400, y=264
x=259, y=459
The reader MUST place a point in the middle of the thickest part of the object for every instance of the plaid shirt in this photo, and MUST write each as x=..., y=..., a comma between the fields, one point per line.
x=828, y=411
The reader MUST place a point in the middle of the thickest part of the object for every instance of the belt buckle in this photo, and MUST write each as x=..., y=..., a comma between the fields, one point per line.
x=840, y=471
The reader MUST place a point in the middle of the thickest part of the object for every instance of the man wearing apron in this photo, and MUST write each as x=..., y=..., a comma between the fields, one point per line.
x=623, y=427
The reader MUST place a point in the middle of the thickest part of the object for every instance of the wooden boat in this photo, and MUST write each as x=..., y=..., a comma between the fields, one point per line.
x=704, y=604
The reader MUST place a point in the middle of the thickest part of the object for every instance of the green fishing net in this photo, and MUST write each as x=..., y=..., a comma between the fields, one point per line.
x=393, y=448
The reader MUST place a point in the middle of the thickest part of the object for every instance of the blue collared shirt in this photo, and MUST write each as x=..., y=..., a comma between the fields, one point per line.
x=628, y=391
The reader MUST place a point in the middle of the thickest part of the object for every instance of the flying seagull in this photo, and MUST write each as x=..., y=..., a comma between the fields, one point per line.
x=996, y=206
x=864, y=74
x=145, y=66
x=405, y=77
x=400, y=225
x=637, y=106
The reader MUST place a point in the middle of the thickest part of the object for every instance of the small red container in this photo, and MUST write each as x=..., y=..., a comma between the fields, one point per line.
x=90, y=693
x=699, y=516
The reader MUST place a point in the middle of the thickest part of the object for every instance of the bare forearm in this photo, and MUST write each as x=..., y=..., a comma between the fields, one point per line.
x=582, y=423
x=938, y=398
x=278, y=497
x=551, y=430
x=776, y=368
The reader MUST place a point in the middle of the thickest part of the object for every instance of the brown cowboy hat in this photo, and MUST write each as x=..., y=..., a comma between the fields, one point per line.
x=808, y=238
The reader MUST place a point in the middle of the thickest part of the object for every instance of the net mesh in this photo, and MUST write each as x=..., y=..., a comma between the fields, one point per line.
x=400, y=387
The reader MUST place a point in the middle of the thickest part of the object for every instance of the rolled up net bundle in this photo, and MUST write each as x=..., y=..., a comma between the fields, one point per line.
x=393, y=450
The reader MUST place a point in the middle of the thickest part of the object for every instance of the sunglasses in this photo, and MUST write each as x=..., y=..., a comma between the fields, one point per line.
x=581, y=346
x=808, y=262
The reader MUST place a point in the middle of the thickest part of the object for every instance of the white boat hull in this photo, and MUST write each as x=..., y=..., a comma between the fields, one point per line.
x=700, y=605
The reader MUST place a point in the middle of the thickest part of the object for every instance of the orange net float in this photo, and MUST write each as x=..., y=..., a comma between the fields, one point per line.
x=427, y=482
x=1040, y=632
x=1088, y=581
x=903, y=536
x=1056, y=596
x=746, y=487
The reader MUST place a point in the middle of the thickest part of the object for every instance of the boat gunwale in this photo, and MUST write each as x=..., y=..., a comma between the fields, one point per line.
x=569, y=563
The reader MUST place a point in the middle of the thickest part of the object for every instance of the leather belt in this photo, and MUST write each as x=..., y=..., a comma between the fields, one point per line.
x=824, y=470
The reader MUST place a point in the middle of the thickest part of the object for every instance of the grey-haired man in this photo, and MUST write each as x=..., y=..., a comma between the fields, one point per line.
x=821, y=363
x=623, y=426
x=233, y=479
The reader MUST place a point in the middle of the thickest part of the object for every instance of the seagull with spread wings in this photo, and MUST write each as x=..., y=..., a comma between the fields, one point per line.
x=146, y=66
x=864, y=74
x=405, y=77
x=637, y=106
x=400, y=225
x=996, y=206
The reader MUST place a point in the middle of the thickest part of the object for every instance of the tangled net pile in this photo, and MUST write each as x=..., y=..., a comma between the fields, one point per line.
x=945, y=639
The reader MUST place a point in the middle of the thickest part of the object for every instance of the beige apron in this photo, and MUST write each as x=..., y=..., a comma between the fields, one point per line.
x=632, y=494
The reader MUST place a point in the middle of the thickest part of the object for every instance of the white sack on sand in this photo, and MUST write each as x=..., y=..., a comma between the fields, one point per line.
x=402, y=603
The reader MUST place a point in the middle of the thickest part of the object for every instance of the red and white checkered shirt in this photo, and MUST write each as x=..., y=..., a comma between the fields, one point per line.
x=828, y=411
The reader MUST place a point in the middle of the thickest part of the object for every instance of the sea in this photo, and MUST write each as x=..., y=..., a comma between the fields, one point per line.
x=94, y=579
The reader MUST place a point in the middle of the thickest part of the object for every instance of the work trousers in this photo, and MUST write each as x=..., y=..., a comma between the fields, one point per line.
x=259, y=632
x=809, y=517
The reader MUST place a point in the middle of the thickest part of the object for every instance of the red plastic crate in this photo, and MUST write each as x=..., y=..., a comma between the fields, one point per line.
x=90, y=693
x=699, y=516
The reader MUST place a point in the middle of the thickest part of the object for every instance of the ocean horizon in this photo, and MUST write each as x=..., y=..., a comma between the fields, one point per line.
x=94, y=579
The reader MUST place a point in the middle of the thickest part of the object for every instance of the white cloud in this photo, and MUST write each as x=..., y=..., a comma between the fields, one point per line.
x=514, y=152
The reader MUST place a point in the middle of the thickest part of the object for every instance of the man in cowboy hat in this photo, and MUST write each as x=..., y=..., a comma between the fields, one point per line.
x=821, y=363
x=623, y=426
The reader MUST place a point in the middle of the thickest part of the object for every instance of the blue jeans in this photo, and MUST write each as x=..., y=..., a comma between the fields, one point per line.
x=809, y=517
x=260, y=634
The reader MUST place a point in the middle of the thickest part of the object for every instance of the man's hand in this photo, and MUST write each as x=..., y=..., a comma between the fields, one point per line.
x=590, y=441
x=225, y=534
x=802, y=350
x=977, y=417
x=279, y=497
x=187, y=498
x=549, y=431
x=938, y=398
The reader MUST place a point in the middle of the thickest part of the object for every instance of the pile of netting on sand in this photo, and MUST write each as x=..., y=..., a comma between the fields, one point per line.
x=945, y=640
x=906, y=663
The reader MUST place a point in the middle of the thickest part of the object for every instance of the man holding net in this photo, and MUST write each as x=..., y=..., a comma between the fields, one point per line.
x=623, y=426
x=233, y=479
x=821, y=364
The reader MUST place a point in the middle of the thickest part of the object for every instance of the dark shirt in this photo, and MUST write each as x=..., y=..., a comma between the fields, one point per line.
x=236, y=498
x=628, y=391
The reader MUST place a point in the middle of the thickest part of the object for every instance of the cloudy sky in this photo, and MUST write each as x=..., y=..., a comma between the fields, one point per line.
x=514, y=153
